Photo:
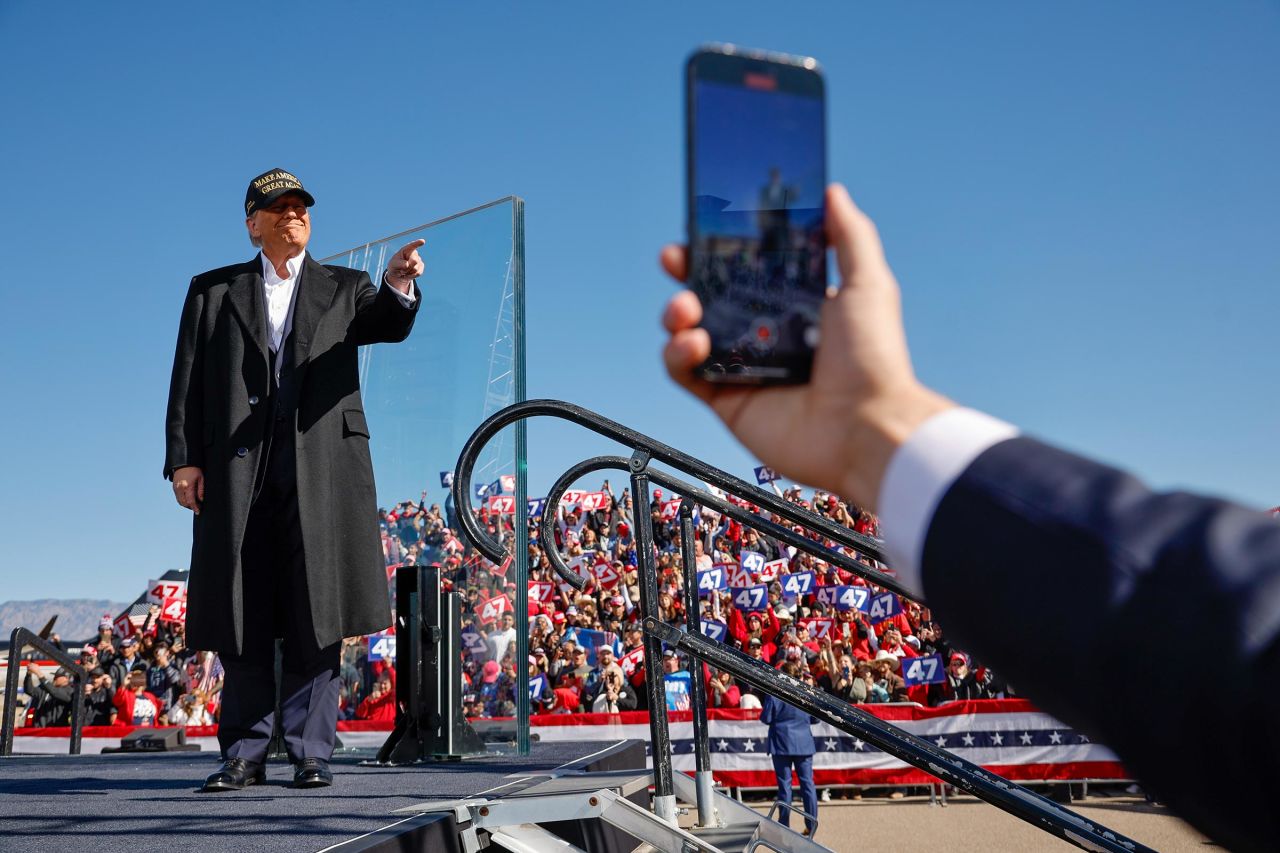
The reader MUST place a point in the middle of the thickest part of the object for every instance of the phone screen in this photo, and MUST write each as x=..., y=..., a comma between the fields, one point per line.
x=757, y=177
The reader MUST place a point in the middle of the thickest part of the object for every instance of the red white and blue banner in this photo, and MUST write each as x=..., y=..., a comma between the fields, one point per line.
x=1009, y=737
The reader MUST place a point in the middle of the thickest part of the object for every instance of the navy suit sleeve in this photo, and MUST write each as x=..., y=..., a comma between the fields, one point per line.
x=1148, y=621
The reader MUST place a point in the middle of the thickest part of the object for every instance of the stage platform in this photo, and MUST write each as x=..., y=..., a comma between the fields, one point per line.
x=140, y=802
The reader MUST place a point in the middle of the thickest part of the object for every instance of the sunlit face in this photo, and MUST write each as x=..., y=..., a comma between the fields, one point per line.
x=284, y=227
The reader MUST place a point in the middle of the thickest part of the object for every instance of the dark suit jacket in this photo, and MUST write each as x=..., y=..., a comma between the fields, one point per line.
x=789, y=732
x=1107, y=604
x=217, y=421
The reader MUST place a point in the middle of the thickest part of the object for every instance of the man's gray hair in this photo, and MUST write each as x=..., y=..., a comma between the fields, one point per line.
x=256, y=241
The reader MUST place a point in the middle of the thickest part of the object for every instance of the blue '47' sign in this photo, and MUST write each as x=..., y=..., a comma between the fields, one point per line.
x=883, y=606
x=844, y=597
x=536, y=685
x=382, y=646
x=765, y=474
x=751, y=599
x=798, y=584
x=712, y=579
x=714, y=629
x=923, y=670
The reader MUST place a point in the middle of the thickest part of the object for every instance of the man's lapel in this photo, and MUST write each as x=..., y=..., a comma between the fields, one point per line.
x=245, y=293
x=316, y=288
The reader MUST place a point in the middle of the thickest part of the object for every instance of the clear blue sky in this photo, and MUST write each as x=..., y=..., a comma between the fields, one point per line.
x=1082, y=202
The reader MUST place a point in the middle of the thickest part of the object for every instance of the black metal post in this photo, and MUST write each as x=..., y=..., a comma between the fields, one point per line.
x=1018, y=801
x=664, y=799
x=693, y=624
x=430, y=725
x=19, y=639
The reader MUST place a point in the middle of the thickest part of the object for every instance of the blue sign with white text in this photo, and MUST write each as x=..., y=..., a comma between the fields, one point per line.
x=474, y=643
x=845, y=597
x=923, y=670
x=883, y=606
x=711, y=580
x=382, y=646
x=713, y=629
x=798, y=584
x=765, y=475
x=751, y=599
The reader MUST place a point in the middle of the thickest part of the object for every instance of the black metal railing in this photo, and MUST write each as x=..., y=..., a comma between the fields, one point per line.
x=944, y=765
x=18, y=640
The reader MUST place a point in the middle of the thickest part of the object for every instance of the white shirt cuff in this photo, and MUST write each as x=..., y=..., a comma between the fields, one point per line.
x=406, y=299
x=920, y=473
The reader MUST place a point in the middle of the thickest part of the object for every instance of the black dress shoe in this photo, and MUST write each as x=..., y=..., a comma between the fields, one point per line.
x=312, y=773
x=235, y=774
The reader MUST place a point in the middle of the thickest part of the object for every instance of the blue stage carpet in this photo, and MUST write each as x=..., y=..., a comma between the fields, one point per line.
x=134, y=803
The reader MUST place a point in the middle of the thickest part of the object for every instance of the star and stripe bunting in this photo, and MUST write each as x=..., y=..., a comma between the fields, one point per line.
x=1009, y=737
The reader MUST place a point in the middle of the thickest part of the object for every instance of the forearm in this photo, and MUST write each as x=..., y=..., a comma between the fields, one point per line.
x=1072, y=530
x=381, y=314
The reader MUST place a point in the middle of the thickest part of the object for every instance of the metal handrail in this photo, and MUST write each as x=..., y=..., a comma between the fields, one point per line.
x=18, y=640
x=994, y=789
x=653, y=450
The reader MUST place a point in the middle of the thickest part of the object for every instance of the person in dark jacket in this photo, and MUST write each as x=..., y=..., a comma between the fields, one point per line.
x=52, y=696
x=99, y=708
x=267, y=443
x=791, y=746
x=960, y=683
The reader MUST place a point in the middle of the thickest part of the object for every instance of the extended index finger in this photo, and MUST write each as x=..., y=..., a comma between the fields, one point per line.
x=410, y=248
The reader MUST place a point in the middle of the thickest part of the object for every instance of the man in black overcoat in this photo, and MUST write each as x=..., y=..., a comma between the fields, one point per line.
x=266, y=442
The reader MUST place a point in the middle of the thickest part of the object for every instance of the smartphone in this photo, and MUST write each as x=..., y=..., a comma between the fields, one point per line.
x=756, y=177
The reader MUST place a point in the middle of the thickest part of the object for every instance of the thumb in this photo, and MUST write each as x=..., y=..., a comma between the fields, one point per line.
x=200, y=488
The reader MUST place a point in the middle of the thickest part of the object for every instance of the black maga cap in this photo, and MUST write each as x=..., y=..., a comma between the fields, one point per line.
x=269, y=186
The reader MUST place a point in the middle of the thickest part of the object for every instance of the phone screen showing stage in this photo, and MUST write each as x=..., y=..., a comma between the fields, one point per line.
x=757, y=174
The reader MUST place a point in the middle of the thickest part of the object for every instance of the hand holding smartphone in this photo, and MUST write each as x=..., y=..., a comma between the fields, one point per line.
x=756, y=170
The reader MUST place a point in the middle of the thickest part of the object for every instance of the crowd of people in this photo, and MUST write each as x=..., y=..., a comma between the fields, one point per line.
x=149, y=678
x=584, y=646
x=152, y=678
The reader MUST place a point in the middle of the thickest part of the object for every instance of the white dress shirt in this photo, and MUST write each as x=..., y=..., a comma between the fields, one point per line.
x=920, y=472
x=279, y=297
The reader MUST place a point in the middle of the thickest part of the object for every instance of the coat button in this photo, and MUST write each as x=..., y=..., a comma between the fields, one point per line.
x=253, y=401
x=242, y=451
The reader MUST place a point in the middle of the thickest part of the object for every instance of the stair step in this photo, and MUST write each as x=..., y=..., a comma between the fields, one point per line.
x=726, y=838
x=625, y=782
